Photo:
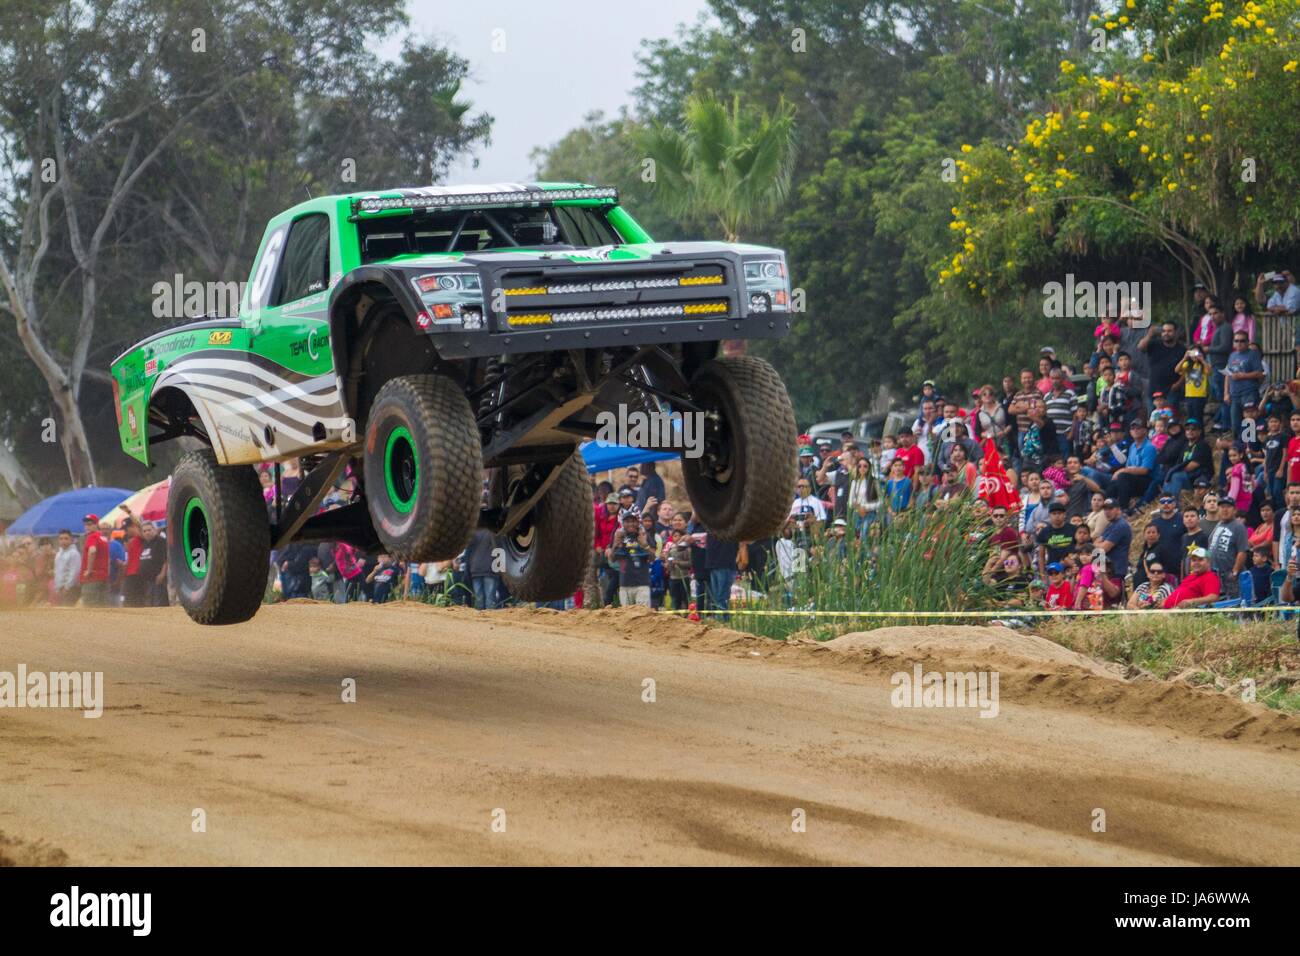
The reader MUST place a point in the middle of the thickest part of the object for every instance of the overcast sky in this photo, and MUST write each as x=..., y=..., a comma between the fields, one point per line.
x=562, y=60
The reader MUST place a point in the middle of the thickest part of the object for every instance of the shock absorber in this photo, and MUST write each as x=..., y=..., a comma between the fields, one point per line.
x=493, y=371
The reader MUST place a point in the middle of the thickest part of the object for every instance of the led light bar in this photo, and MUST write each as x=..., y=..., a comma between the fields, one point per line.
x=571, y=288
x=615, y=314
x=503, y=198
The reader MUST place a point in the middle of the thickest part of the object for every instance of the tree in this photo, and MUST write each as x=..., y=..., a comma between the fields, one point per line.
x=729, y=165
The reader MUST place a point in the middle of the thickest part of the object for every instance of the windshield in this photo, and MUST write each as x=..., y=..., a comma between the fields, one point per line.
x=474, y=230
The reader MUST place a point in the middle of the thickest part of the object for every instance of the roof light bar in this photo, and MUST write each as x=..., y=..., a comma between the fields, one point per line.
x=417, y=200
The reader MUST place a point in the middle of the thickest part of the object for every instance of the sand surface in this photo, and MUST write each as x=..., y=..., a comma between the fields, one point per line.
x=536, y=722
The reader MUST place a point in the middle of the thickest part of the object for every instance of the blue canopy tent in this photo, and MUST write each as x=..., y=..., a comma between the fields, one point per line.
x=66, y=511
x=600, y=456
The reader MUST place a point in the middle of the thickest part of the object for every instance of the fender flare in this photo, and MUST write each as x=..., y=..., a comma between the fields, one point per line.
x=176, y=380
x=344, y=340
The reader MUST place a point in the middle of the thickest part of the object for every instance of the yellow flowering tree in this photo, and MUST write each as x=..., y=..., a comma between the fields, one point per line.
x=1179, y=138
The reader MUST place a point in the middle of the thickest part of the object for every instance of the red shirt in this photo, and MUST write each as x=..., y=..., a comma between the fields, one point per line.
x=912, y=459
x=99, y=572
x=133, y=549
x=1060, y=596
x=1293, y=460
x=1194, y=586
x=606, y=524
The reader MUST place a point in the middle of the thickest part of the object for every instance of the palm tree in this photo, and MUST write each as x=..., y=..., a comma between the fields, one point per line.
x=728, y=164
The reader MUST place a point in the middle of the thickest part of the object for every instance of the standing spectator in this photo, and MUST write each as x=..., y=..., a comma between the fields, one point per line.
x=1169, y=526
x=135, y=587
x=1115, y=542
x=721, y=559
x=1054, y=540
x=1243, y=374
x=1194, y=374
x=804, y=498
x=1163, y=353
x=94, y=565
x=67, y=570
x=675, y=552
x=482, y=574
x=116, y=563
x=1059, y=403
x=153, y=564
x=607, y=523
x=1243, y=318
x=294, y=579
x=1229, y=548
x=862, y=498
x=631, y=552
x=651, y=486
x=1219, y=352
x=348, y=562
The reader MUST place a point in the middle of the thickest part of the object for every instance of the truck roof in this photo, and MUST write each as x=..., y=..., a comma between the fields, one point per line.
x=428, y=196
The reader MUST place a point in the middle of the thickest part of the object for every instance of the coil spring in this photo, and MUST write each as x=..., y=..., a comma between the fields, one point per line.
x=491, y=372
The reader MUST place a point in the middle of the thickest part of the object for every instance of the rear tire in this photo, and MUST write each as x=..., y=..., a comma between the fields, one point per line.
x=742, y=487
x=218, y=539
x=546, y=555
x=423, y=468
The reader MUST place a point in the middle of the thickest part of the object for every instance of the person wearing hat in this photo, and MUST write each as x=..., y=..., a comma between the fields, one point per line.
x=1115, y=542
x=1280, y=296
x=1138, y=471
x=929, y=393
x=630, y=552
x=607, y=522
x=626, y=500
x=1197, y=461
x=1200, y=588
x=807, y=462
x=1055, y=539
x=1229, y=547
x=94, y=564
x=1060, y=593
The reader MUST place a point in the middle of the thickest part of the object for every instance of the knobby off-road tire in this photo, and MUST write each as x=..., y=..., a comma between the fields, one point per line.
x=423, y=468
x=218, y=539
x=742, y=487
x=546, y=555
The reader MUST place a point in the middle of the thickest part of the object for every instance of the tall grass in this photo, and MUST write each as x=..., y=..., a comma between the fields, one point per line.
x=917, y=561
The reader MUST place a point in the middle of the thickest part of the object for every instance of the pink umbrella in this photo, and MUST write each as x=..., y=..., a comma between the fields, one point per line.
x=147, y=504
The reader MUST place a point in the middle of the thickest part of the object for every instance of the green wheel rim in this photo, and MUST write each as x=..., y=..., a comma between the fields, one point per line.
x=195, y=537
x=401, y=469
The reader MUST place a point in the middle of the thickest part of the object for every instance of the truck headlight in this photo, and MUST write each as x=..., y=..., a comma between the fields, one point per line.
x=767, y=285
x=450, y=299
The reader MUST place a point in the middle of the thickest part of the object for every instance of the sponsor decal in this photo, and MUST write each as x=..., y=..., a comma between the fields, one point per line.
x=180, y=344
x=222, y=337
x=130, y=419
x=151, y=367
x=423, y=320
x=310, y=345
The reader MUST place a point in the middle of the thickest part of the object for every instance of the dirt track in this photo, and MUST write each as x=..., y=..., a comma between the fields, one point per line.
x=541, y=715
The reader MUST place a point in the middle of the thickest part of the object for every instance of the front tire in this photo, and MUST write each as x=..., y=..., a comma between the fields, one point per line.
x=742, y=486
x=218, y=539
x=546, y=555
x=423, y=468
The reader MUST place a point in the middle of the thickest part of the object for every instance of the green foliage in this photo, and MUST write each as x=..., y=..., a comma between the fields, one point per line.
x=729, y=164
x=918, y=561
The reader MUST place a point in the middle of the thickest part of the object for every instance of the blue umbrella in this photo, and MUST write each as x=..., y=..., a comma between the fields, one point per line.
x=600, y=456
x=66, y=511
